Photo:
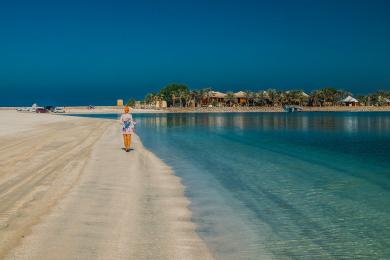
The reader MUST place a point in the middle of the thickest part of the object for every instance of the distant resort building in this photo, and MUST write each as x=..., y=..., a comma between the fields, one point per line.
x=241, y=97
x=214, y=98
x=302, y=93
x=350, y=101
x=119, y=102
x=161, y=104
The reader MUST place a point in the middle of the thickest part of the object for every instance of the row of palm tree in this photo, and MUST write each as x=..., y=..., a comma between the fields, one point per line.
x=180, y=95
x=379, y=98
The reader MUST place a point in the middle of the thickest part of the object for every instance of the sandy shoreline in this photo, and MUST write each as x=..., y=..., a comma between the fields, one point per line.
x=67, y=191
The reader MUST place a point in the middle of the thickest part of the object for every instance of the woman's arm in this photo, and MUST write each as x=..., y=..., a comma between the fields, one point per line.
x=121, y=121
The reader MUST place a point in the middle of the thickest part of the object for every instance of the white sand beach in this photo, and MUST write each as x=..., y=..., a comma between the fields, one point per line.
x=68, y=191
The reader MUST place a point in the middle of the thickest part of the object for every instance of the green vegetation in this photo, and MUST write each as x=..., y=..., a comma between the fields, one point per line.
x=379, y=98
x=179, y=95
x=230, y=98
x=131, y=102
x=175, y=94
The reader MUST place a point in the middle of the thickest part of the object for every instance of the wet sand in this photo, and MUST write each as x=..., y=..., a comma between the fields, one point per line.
x=67, y=191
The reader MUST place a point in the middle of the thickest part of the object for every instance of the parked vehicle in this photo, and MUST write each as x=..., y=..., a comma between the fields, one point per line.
x=50, y=108
x=59, y=110
x=41, y=110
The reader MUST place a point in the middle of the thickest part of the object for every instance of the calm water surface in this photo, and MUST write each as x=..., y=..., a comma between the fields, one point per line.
x=281, y=185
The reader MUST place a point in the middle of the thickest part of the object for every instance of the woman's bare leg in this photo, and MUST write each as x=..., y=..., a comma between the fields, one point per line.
x=129, y=140
x=125, y=141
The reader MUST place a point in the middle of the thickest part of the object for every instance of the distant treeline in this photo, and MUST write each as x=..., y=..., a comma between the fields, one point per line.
x=179, y=95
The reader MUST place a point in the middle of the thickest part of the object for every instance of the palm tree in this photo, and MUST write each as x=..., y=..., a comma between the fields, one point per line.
x=295, y=97
x=182, y=94
x=303, y=98
x=201, y=96
x=364, y=99
x=249, y=97
x=379, y=96
x=230, y=98
x=131, y=102
x=148, y=98
x=198, y=95
x=174, y=96
x=283, y=98
x=316, y=98
x=274, y=97
x=330, y=95
x=151, y=98
x=260, y=98
x=191, y=97
x=207, y=94
x=340, y=95
x=288, y=97
x=173, y=91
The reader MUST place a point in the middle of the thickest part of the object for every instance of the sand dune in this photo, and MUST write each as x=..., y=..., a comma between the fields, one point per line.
x=67, y=191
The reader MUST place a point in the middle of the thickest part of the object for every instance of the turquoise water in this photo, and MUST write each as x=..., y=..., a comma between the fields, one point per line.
x=282, y=185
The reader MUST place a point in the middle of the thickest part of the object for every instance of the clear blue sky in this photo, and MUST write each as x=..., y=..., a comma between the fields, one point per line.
x=81, y=52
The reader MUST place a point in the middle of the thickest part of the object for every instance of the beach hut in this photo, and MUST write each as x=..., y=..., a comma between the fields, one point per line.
x=305, y=94
x=213, y=98
x=217, y=97
x=241, y=97
x=350, y=101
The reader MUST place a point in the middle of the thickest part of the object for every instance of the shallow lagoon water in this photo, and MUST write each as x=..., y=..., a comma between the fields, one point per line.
x=281, y=185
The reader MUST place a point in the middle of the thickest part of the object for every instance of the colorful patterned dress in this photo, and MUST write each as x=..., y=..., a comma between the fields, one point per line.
x=127, y=124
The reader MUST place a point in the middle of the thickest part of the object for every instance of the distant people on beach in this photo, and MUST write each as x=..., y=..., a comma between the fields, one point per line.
x=128, y=125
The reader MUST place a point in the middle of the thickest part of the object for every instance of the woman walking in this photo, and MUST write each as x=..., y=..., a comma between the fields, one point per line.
x=128, y=125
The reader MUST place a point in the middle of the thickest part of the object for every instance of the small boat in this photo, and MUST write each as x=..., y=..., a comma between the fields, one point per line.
x=292, y=108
